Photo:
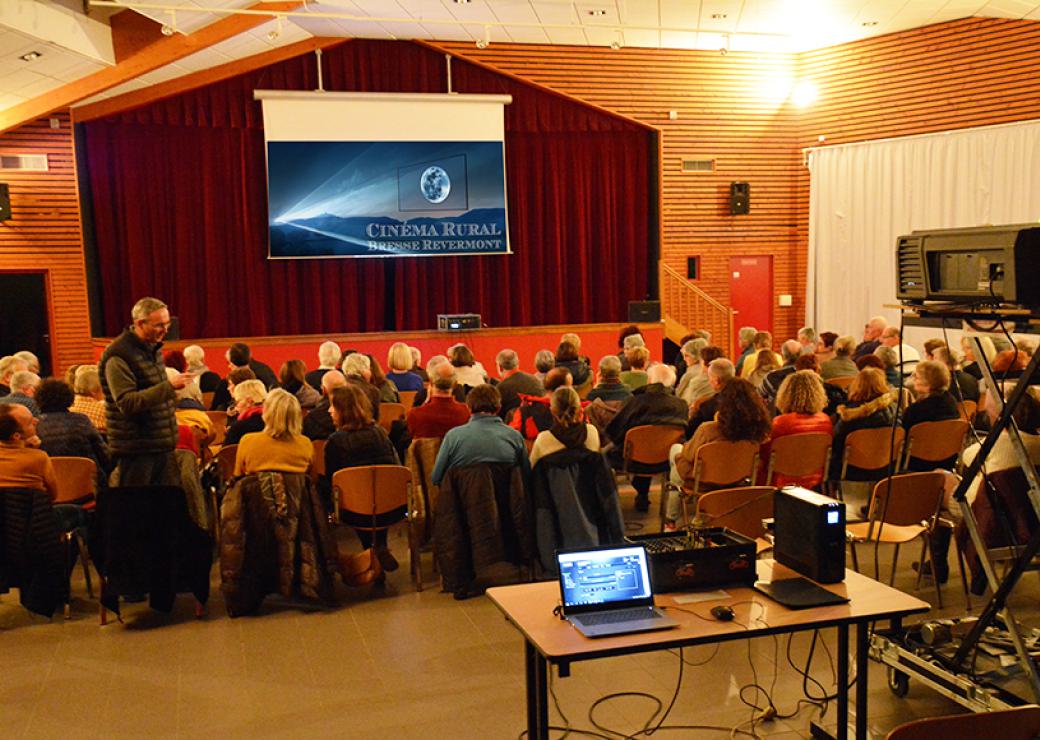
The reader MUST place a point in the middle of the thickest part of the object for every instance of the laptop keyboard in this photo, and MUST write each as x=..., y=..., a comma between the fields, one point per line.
x=622, y=615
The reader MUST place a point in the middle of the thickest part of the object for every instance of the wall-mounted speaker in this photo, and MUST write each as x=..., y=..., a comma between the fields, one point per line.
x=693, y=265
x=739, y=198
x=5, y=201
x=644, y=311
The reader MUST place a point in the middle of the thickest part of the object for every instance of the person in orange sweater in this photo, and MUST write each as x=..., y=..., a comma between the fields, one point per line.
x=800, y=401
x=22, y=463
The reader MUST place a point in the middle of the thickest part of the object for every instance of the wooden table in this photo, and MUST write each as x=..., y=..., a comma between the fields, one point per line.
x=550, y=641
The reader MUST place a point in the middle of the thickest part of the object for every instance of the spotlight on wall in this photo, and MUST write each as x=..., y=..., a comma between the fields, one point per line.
x=485, y=42
x=618, y=42
x=168, y=29
x=275, y=32
x=724, y=49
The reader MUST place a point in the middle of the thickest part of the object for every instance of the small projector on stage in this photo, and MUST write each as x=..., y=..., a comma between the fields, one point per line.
x=458, y=321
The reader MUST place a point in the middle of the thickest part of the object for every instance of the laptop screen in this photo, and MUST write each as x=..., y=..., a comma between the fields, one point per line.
x=605, y=578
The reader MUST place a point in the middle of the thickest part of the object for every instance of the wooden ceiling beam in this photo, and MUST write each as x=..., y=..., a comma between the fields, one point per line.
x=149, y=58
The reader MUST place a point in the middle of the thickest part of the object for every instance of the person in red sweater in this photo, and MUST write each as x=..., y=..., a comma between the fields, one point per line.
x=800, y=401
x=441, y=412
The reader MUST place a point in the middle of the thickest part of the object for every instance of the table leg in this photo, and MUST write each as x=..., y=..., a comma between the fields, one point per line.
x=862, y=643
x=843, y=682
x=537, y=693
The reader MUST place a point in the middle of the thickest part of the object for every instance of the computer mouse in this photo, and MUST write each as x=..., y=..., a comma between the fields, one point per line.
x=722, y=613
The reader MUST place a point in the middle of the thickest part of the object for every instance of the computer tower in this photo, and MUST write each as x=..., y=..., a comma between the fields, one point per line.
x=809, y=534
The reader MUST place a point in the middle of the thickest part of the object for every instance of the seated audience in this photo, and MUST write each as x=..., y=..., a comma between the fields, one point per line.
x=806, y=337
x=906, y=355
x=189, y=410
x=90, y=400
x=890, y=360
x=328, y=359
x=835, y=395
x=841, y=365
x=930, y=345
x=720, y=372
x=239, y=355
x=441, y=413
x=636, y=376
x=174, y=358
x=227, y=387
x=22, y=464
x=293, y=377
x=694, y=382
x=279, y=446
x=653, y=403
x=468, y=371
x=249, y=409
x=962, y=385
x=872, y=404
x=623, y=343
x=567, y=357
x=544, y=361
x=971, y=362
x=870, y=360
x=609, y=386
x=513, y=381
x=745, y=342
x=417, y=367
x=762, y=340
x=318, y=423
x=195, y=364
x=800, y=403
x=791, y=350
x=742, y=416
x=871, y=337
x=23, y=390
x=357, y=368
x=31, y=361
x=359, y=441
x=569, y=429
x=825, y=347
x=387, y=390
x=765, y=362
x=399, y=362
x=66, y=434
x=934, y=402
x=10, y=365
x=533, y=415
x=483, y=439
x=70, y=375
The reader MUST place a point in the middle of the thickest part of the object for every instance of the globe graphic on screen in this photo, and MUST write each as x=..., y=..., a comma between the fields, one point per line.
x=435, y=184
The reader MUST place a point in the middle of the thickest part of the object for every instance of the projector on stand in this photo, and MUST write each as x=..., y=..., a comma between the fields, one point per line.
x=458, y=321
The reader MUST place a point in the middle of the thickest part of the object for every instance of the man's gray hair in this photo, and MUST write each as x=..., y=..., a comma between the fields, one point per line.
x=693, y=348
x=807, y=333
x=610, y=366
x=194, y=355
x=662, y=373
x=357, y=364
x=87, y=380
x=145, y=308
x=433, y=362
x=507, y=359
x=722, y=368
x=634, y=340
x=887, y=355
x=22, y=380
x=442, y=377
x=747, y=333
x=328, y=353
x=30, y=359
x=844, y=346
x=544, y=360
x=331, y=380
x=790, y=350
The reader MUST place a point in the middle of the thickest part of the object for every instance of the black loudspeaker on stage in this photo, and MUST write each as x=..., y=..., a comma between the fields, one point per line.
x=174, y=332
x=644, y=311
x=5, y=201
x=739, y=198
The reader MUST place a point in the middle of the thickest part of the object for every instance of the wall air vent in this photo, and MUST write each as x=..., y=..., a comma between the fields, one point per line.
x=692, y=164
x=23, y=163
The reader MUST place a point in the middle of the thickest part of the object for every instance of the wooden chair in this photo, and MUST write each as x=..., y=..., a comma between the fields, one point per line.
x=225, y=462
x=646, y=451
x=902, y=508
x=842, y=382
x=799, y=455
x=389, y=413
x=374, y=491
x=317, y=467
x=935, y=441
x=739, y=509
x=719, y=465
x=207, y=399
x=219, y=421
x=421, y=455
x=77, y=485
x=407, y=399
x=872, y=450
x=1020, y=723
x=968, y=409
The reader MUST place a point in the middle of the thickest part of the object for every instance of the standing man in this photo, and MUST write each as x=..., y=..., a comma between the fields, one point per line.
x=140, y=400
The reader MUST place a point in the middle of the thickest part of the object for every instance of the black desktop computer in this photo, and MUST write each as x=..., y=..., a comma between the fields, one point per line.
x=809, y=534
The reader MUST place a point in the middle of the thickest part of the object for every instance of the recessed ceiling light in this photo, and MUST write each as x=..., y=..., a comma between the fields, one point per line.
x=597, y=12
x=463, y=2
x=868, y=24
x=719, y=16
x=32, y=56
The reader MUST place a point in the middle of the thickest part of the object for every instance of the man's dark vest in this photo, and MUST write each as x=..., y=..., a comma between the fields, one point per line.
x=153, y=430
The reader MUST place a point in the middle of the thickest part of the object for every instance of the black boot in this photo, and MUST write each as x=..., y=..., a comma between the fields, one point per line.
x=642, y=485
x=940, y=552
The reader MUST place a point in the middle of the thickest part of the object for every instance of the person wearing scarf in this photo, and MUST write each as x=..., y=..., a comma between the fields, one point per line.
x=569, y=429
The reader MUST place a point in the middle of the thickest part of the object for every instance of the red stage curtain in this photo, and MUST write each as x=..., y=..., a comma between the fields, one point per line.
x=178, y=189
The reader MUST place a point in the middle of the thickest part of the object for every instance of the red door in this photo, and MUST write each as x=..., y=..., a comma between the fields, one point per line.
x=751, y=294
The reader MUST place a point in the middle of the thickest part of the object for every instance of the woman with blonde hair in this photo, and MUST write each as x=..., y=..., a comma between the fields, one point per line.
x=971, y=362
x=249, y=398
x=280, y=446
x=569, y=429
x=765, y=363
x=872, y=404
x=800, y=401
x=400, y=363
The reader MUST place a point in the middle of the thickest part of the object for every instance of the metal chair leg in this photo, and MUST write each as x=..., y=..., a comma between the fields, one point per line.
x=85, y=559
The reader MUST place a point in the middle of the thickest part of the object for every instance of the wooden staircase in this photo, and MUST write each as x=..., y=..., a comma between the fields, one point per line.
x=685, y=307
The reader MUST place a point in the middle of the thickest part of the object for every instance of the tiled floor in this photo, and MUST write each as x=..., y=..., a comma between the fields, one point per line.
x=391, y=664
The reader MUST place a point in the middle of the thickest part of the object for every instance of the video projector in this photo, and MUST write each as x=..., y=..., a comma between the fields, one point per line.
x=983, y=265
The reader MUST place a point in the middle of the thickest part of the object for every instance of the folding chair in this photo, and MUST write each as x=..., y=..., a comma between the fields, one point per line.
x=1020, y=723
x=77, y=486
x=934, y=442
x=646, y=451
x=799, y=456
x=739, y=509
x=719, y=465
x=389, y=413
x=374, y=491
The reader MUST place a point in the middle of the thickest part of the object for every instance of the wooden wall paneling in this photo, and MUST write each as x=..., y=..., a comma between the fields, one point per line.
x=44, y=233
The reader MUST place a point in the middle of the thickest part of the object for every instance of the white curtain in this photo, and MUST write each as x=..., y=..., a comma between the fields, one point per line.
x=863, y=196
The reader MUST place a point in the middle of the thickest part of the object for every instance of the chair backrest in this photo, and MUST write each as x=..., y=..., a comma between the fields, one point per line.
x=219, y=420
x=799, y=455
x=207, y=398
x=907, y=499
x=76, y=476
x=724, y=463
x=935, y=441
x=389, y=413
x=739, y=509
x=649, y=444
x=842, y=382
x=226, y=461
x=407, y=399
x=1020, y=723
x=317, y=467
x=874, y=449
x=967, y=409
x=372, y=489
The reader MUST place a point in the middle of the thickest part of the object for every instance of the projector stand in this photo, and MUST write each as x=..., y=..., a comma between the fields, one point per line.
x=953, y=676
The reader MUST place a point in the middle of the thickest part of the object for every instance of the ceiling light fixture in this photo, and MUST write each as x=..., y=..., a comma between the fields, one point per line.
x=168, y=29
x=463, y=2
x=486, y=41
x=868, y=24
x=619, y=40
x=719, y=16
x=32, y=56
x=597, y=12
x=724, y=50
x=275, y=32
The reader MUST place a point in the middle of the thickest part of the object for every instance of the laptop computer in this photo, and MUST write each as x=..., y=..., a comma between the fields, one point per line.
x=608, y=591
